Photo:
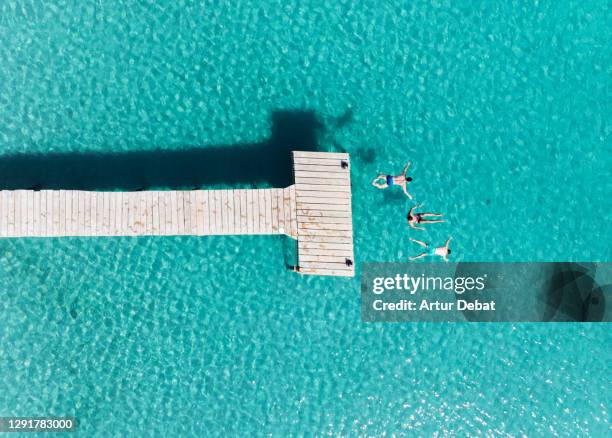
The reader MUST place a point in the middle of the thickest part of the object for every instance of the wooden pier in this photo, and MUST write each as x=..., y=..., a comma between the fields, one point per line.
x=316, y=211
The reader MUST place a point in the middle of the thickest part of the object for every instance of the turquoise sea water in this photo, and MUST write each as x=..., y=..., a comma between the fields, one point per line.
x=504, y=109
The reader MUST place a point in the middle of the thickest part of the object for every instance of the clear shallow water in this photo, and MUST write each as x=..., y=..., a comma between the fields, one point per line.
x=505, y=112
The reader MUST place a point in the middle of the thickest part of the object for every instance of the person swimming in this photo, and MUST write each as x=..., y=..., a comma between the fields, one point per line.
x=415, y=219
x=440, y=251
x=383, y=181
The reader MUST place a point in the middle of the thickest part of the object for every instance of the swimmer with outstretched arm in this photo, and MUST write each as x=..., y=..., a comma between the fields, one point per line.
x=415, y=219
x=383, y=181
x=441, y=251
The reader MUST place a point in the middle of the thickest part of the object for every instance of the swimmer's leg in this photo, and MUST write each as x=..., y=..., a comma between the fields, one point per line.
x=431, y=215
x=428, y=221
x=423, y=254
x=378, y=184
x=418, y=242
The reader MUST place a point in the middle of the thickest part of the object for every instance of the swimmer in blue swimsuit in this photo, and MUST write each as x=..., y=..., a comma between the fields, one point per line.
x=383, y=181
x=441, y=251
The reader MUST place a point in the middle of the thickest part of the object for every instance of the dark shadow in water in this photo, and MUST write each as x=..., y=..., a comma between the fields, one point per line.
x=242, y=165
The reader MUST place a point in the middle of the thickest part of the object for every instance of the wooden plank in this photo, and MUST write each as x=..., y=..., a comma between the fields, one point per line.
x=18, y=221
x=218, y=213
x=206, y=210
x=199, y=213
x=322, y=194
x=140, y=225
x=112, y=213
x=293, y=216
x=187, y=211
x=326, y=265
x=249, y=212
x=274, y=209
x=115, y=212
x=23, y=203
x=43, y=212
x=147, y=206
x=88, y=213
x=335, y=183
x=256, y=223
x=7, y=211
x=91, y=196
x=266, y=213
x=30, y=212
x=116, y=204
x=333, y=258
x=231, y=228
x=105, y=229
x=63, y=212
x=161, y=212
x=47, y=206
x=3, y=223
x=331, y=272
x=129, y=205
x=334, y=171
x=310, y=174
x=224, y=212
x=237, y=212
x=325, y=246
x=17, y=202
x=35, y=214
x=165, y=213
x=56, y=213
x=180, y=211
x=193, y=213
x=309, y=252
x=155, y=215
x=10, y=213
x=261, y=196
x=323, y=219
x=99, y=228
x=323, y=232
x=322, y=207
x=74, y=212
x=173, y=213
x=324, y=226
x=343, y=203
x=319, y=161
x=287, y=210
x=305, y=187
x=327, y=155
x=325, y=239
x=244, y=227
x=26, y=212
x=106, y=200
x=125, y=215
x=139, y=215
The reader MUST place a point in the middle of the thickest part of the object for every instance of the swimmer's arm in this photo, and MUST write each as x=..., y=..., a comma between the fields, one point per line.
x=412, y=225
x=447, y=242
x=406, y=191
x=410, y=212
x=406, y=168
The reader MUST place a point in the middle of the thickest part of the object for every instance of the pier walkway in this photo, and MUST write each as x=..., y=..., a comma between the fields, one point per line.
x=316, y=211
